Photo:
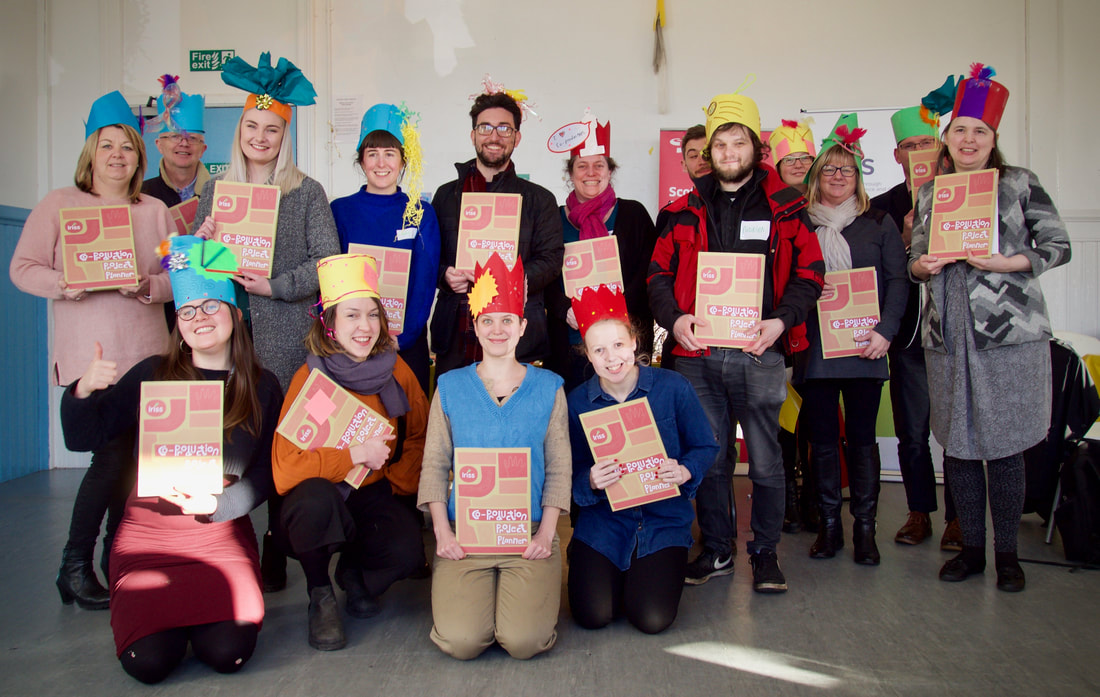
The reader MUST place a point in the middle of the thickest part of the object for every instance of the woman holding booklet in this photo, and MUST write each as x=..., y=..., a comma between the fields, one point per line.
x=498, y=403
x=631, y=561
x=986, y=334
x=377, y=536
x=381, y=214
x=127, y=322
x=185, y=565
x=850, y=362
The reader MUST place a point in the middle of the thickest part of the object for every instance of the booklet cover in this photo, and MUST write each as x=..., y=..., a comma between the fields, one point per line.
x=729, y=290
x=97, y=248
x=922, y=168
x=964, y=215
x=849, y=316
x=325, y=415
x=492, y=491
x=589, y=263
x=628, y=433
x=393, y=280
x=180, y=437
x=245, y=218
x=183, y=214
x=488, y=223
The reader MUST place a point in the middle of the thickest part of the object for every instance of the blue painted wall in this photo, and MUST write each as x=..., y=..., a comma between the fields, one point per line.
x=24, y=397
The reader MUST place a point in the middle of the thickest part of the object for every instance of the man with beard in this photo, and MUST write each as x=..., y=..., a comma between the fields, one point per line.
x=495, y=118
x=743, y=207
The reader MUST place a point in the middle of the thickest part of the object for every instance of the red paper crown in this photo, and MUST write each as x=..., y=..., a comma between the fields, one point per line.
x=496, y=288
x=601, y=136
x=597, y=304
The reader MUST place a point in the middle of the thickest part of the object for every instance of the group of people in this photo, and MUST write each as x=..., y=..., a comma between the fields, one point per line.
x=186, y=567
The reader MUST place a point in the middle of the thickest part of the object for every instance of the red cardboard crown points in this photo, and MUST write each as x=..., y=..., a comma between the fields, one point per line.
x=593, y=305
x=497, y=288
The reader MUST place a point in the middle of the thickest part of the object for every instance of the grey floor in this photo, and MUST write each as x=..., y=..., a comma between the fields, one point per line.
x=842, y=629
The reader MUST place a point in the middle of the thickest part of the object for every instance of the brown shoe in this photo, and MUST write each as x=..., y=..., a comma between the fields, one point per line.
x=917, y=529
x=952, y=540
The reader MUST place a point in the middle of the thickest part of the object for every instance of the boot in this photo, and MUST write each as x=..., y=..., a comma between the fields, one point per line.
x=825, y=462
x=272, y=565
x=807, y=494
x=76, y=580
x=358, y=602
x=792, y=521
x=863, y=482
x=326, y=631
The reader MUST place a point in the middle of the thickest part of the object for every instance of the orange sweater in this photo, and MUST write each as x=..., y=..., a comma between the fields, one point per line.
x=291, y=465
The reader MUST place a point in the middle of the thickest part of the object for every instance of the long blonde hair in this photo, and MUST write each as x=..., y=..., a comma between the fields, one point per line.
x=86, y=162
x=287, y=175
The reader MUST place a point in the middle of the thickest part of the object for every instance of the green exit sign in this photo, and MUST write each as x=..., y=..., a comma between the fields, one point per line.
x=209, y=61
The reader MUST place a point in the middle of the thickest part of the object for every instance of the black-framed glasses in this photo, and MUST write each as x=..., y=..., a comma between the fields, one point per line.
x=925, y=144
x=802, y=159
x=503, y=130
x=846, y=170
x=208, y=307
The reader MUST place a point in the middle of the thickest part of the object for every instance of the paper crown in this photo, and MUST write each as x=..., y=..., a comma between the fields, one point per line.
x=110, y=110
x=593, y=305
x=791, y=137
x=924, y=120
x=274, y=89
x=980, y=97
x=582, y=138
x=733, y=108
x=347, y=276
x=526, y=106
x=383, y=117
x=183, y=113
x=400, y=122
x=846, y=134
x=198, y=269
x=496, y=288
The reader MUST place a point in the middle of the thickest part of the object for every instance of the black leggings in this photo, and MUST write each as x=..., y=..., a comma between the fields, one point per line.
x=105, y=486
x=648, y=593
x=224, y=646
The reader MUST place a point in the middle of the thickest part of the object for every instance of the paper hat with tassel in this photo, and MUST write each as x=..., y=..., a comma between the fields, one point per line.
x=791, y=137
x=274, y=89
x=846, y=133
x=733, y=108
x=347, y=276
x=582, y=138
x=593, y=305
x=110, y=110
x=198, y=269
x=526, y=106
x=498, y=289
x=924, y=120
x=981, y=97
x=177, y=111
x=401, y=123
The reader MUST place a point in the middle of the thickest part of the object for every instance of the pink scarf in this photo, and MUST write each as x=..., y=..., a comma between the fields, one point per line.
x=589, y=217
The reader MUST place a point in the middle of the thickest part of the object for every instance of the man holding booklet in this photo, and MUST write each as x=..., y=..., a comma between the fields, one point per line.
x=742, y=207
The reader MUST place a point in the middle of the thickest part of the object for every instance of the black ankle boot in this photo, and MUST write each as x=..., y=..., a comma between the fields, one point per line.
x=970, y=561
x=272, y=565
x=830, y=539
x=863, y=540
x=326, y=630
x=1010, y=576
x=792, y=521
x=76, y=580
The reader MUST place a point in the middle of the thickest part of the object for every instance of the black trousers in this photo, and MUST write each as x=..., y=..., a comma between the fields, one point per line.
x=104, y=489
x=224, y=646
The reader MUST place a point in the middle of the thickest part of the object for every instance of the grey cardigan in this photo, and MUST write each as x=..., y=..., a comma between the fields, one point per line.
x=1008, y=308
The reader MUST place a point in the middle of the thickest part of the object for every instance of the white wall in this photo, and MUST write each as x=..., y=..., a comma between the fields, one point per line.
x=20, y=84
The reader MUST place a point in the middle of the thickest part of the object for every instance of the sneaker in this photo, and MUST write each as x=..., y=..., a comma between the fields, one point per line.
x=766, y=575
x=708, y=565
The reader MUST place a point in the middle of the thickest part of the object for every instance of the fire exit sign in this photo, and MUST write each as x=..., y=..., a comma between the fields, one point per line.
x=210, y=61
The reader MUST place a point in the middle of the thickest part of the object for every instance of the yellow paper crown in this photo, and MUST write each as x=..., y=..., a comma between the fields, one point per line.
x=733, y=108
x=791, y=137
x=346, y=276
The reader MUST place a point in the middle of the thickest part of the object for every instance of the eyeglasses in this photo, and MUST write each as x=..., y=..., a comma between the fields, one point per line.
x=918, y=145
x=176, y=138
x=846, y=170
x=802, y=159
x=503, y=130
x=208, y=307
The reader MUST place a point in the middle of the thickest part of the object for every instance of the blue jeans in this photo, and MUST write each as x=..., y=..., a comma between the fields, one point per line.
x=733, y=383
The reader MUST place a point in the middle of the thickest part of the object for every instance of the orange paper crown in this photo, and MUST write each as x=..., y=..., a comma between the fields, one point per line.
x=593, y=305
x=496, y=288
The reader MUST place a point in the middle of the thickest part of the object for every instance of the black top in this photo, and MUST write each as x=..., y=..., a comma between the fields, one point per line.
x=897, y=202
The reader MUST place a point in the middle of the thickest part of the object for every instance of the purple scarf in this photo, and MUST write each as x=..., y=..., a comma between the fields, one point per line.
x=372, y=376
x=589, y=217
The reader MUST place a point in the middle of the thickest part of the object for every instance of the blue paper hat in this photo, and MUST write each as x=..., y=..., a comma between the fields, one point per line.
x=187, y=116
x=383, y=117
x=200, y=269
x=110, y=110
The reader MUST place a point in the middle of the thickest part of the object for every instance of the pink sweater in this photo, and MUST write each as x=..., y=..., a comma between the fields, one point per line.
x=128, y=328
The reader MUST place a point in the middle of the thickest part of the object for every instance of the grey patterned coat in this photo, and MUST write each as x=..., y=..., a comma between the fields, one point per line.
x=1008, y=308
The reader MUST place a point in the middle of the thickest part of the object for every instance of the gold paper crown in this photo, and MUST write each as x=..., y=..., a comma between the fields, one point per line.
x=791, y=137
x=346, y=276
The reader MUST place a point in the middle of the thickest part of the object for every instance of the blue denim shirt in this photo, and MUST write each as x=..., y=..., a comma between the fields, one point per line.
x=687, y=438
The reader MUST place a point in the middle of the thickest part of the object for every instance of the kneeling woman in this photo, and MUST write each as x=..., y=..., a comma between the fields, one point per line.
x=497, y=403
x=631, y=561
x=186, y=568
x=377, y=536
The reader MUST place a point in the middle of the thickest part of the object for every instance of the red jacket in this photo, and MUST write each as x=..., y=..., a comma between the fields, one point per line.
x=794, y=261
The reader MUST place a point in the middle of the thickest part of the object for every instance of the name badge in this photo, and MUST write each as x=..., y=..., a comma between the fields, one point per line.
x=406, y=234
x=755, y=229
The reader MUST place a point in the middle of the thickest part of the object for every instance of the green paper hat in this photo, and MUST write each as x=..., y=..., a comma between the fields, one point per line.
x=846, y=133
x=924, y=120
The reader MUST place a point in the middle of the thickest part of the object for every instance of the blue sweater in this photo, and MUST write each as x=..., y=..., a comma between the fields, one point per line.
x=687, y=438
x=364, y=218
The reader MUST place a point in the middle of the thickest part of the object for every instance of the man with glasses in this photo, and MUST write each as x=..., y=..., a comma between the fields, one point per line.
x=495, y=119
x=743, y=207
x=181, y=143
x=915, y=128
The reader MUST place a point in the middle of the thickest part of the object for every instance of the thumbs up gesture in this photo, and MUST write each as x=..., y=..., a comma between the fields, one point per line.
x=99, y=375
